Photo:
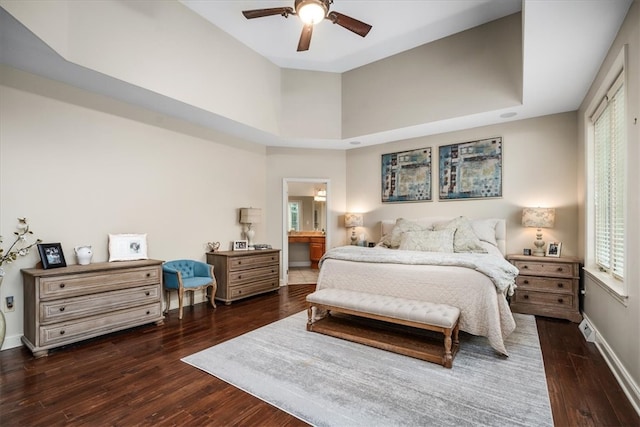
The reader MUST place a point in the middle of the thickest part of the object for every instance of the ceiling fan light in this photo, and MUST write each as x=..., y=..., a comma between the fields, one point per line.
x=311, y=12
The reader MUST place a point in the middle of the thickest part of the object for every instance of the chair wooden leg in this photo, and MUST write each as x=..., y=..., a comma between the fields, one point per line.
x=167, y=300
x=212, y=294
x=180, y=296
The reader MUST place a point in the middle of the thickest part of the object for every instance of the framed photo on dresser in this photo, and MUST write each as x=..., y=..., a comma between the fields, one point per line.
x=553, y=249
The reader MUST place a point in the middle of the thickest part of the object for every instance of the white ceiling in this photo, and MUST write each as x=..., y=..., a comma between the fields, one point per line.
x=398, y=25
x=564, y=44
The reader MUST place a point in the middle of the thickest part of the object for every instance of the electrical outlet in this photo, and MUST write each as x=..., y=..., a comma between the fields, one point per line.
x=10, y=303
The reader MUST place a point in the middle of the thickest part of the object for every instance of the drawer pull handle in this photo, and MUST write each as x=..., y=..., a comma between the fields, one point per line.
x=560, y=300
x=526, y=282
x=526, y=297
x=62, y=285
x=239, y=277
x=62, y=332
x=525, y=267
x=239, y=262
x=61, y=308
x=147, y=293
x=561, y=285
x=559, y=269
x=148, y=274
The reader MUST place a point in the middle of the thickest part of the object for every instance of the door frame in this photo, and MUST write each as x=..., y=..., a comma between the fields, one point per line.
x=285, y=209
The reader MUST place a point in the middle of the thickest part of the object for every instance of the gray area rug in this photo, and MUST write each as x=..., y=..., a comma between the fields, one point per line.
x=327, y=381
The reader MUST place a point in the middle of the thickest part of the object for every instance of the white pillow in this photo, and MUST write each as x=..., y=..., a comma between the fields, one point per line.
x=485, y=229
x=464, y=239
x=428, y=241
x=392, y=240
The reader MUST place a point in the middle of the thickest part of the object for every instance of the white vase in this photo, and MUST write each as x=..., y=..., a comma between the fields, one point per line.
x=3, y=323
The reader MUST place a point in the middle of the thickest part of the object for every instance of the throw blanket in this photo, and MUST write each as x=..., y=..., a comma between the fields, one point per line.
x=501, y=272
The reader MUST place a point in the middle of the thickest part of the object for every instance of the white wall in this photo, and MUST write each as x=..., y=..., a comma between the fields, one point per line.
x=618, y=324
x=539, y=169
x=78, y=171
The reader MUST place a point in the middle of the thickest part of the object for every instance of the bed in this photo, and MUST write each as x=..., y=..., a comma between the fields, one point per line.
x=454, y=261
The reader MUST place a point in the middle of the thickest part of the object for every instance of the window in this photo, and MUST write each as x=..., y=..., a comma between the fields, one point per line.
x=609, y=172
x=294, y=216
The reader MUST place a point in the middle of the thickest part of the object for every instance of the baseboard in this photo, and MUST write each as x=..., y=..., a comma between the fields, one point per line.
x=12, y=341
x=629, y=386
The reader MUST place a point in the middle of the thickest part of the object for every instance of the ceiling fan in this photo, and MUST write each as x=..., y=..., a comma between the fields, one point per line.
x=311, y=12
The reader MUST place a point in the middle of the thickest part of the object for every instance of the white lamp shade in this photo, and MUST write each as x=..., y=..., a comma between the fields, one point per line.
x=311, y=11
x=250, y=215
x=538, y=217
x=353, y=220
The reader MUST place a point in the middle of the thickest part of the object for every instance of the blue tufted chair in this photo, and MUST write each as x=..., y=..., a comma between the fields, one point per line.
x=185, y=275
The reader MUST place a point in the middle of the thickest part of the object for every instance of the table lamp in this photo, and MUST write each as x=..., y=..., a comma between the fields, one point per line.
x=353, y=220
x=249, y=216
x=538, y=218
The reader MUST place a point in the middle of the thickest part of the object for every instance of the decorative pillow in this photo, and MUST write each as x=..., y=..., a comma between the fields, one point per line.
x=428, y=241
x=464, y=239
x=127, y=247
x=392, y=240
x=485, y=229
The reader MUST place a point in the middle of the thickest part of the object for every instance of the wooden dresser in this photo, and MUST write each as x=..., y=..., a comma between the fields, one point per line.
x=241, y=274
x=70, y=304
x=547, y=286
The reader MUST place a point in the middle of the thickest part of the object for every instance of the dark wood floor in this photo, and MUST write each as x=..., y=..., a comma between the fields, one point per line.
x=136, y=377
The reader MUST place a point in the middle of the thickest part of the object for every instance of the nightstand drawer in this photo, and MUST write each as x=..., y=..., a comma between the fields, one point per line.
x=547, y=299
x=244, y=276
x=254, y=288
x=533, y=283
x=558, y=269
x=243, y=263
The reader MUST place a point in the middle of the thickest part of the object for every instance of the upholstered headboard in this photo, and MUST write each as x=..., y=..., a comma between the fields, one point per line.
x=481, y=226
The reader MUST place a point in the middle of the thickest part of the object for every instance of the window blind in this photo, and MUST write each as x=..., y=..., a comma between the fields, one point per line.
x=610, y=166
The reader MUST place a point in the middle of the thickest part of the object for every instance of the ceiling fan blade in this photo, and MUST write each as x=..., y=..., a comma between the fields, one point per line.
x=260, y=13
x=351, y=24
x=305, y=38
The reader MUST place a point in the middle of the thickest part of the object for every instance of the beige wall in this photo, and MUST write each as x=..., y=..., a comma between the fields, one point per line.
x=618, y=324
x=79, y=171
x=539, y=169
x=437, y=80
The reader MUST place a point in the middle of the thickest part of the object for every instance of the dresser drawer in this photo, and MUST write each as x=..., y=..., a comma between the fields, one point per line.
x=558, y=269
x=547, y=299
x=244, y=276
x=83, y=284
x=60, y=333
x=91, y=305
x=248, y=262
x=558, y=285
x=254, y=288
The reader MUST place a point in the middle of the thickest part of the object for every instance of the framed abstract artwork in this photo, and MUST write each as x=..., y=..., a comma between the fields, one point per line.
x=127, y=247
x=470, y=170
x=406, y=176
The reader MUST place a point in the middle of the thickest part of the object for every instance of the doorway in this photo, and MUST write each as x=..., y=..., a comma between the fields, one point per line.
x=305, y=207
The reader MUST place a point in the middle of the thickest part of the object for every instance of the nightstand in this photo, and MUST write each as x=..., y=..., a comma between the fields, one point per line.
x=547, y=286
x=242, y=274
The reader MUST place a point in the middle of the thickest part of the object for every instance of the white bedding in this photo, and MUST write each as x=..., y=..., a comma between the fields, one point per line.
x=484, y=310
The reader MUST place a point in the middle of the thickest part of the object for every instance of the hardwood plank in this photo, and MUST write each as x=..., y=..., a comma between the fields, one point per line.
x=135, y=377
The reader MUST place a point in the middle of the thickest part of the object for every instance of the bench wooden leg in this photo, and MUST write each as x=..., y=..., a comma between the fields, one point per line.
x=309, y=317
x=447, y=359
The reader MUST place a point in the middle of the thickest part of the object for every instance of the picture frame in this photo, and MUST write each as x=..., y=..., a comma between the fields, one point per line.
x=553, y=249
x=406, y=176
x=240, y=245
x=526, y=251
x=51, y=255
x=470, y=170
x=127, y=247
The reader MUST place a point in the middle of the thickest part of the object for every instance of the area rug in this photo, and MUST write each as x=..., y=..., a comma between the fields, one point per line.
x=327, y=381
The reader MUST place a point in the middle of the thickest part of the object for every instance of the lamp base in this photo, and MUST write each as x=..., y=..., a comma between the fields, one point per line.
x=250, y=233
x=354, y=238
x=539, y=244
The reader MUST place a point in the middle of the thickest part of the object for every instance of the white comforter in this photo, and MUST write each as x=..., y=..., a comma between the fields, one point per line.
x=475, y=283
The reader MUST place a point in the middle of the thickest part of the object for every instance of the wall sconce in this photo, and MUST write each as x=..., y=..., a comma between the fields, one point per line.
x=538, y=218
x=353, y=220
x=249, y=216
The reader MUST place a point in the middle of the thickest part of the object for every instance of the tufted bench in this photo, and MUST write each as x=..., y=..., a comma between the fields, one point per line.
x=440, y=318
